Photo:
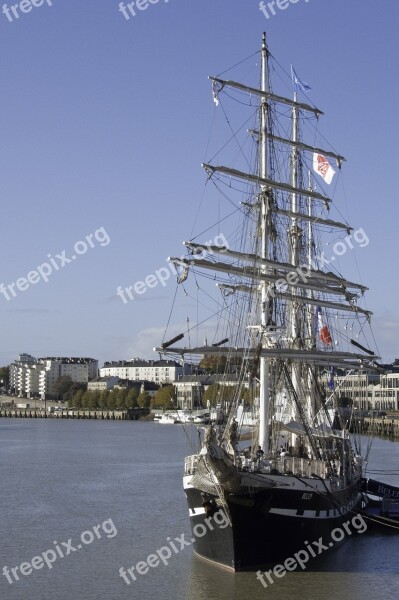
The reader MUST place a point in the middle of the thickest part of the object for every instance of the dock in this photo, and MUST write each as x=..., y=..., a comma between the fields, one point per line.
x=385, y=427
x=105, y=415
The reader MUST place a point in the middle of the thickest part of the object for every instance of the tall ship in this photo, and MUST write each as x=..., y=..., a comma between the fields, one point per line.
x=285, y=322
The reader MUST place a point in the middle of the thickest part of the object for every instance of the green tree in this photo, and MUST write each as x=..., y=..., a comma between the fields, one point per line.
x=144, y=400
x=212, y=393
x=216, y=393
x=131, y=398
x=112, y=401
x=164, y=397
x=5, y=377
x=86, y=398
x=76, y=401
x=103, y=401
x=122, y=395
x=213, y=363
x=68, y=396
x=94, y=400
x=62, y=386
x=247, y=396
x=229, y=392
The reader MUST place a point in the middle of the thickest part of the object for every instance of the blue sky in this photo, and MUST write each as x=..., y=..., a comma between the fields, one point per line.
x=104, y=123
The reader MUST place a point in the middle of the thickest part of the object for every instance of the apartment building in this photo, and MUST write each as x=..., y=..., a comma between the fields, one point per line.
x=30, y=376
x=158, y=371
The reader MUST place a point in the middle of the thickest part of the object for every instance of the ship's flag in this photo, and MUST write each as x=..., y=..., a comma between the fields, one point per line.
x=322, y=329
x=299, y=85
x=331, y=383
x=215, y=93
x=323, y=167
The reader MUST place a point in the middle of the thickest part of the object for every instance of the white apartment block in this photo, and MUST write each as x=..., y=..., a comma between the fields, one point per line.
x=160, y=371
x=31, y=376
x=370, y=391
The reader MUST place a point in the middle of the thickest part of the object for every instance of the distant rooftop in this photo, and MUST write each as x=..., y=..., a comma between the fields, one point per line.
x=137, y=362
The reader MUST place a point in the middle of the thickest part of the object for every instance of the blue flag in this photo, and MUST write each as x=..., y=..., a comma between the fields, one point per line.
x=299, y=85
x=331, y=383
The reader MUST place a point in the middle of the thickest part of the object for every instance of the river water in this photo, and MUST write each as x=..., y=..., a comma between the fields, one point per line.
x=115, y=490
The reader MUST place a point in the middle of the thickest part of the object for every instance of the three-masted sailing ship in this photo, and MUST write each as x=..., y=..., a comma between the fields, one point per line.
x=299, y=477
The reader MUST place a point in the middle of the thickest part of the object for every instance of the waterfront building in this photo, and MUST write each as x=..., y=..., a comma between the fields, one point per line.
x=370, y=391
x=30, y=376
x=158, y=371
x=191, y=388
x=100, y=384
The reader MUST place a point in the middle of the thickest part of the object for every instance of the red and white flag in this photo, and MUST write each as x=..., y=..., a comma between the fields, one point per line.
x=323, y=167
x=324, y=332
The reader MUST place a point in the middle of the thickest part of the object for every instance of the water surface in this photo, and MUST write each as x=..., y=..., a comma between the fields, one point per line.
x=62, y=478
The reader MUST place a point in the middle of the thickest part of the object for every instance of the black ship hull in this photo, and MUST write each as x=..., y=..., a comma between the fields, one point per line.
x=269, y=526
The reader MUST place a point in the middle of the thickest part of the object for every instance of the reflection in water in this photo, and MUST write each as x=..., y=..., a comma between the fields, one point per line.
x=207, y=582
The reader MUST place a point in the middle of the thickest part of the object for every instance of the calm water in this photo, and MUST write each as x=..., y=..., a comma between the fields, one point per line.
x=62, y=478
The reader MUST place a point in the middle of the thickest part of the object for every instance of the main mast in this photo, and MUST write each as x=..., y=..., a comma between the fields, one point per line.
x=264, y=363
x=294, y=242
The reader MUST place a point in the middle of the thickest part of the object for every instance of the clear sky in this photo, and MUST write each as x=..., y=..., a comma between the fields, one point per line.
x=104, y=122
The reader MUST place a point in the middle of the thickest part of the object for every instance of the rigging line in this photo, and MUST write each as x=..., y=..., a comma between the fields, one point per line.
x=219, y=189
x=203, y=191
x=170, y=313
x=226, y=308
x=212, y=316
x=239, y=209
x=239, y=63
x=360, y=276
x=238, y=101
x=318, y=133
x=198, y=301
x=190, y=442
x=288, y=76
x=234, y=134
x=362, y=328
x=226, y=180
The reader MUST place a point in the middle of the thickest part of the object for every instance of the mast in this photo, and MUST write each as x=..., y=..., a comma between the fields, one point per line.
x=264, y=364
x=295, y=247
x=310, y=313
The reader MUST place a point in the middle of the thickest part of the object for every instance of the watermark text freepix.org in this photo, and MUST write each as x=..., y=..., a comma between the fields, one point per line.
x=48, y=557
x=131, y=9
x=302, y=557
x=303, y=273
x=54, y=263
x=15, y=11
x=164, y=554
x=162, y=275
x=269, y=8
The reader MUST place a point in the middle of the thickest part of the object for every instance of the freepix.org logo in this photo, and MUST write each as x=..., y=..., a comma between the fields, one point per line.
x=44, y=271
x=162, y=275
x=17, y=10
x=178, y=544
x=131, y=9
x=302, y=274
x=59, y=550
x=268, y=9
x=314, y=549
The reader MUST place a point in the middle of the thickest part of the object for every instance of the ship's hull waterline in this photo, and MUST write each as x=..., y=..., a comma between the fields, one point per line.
x=268, y=525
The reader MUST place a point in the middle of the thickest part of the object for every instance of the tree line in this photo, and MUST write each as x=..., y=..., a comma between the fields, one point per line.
x=120, y=399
